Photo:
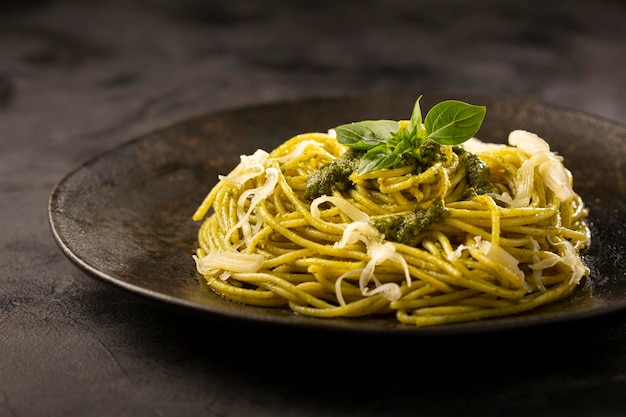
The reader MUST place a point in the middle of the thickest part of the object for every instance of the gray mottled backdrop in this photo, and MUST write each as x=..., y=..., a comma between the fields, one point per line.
x=78, y=78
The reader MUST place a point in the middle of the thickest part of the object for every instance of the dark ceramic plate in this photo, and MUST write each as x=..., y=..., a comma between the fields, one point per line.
x=125, y=217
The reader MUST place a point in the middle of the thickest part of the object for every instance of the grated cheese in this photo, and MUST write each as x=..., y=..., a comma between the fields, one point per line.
x=500, y=255
x=379, y=251
x=256, y=195
x=351, y=211
x=548, y=164
x=569, y=259
x=231, y=261
x=250, y=166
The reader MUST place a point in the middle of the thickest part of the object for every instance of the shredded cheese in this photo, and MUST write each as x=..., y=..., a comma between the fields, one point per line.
x=379, y=251
x=569, y=259
x=232, y=260
x=228, y=260
x=548, y=164
x=475, y=145
x=250, y=166
x=501, y=256
x=256, y=195
x=351, y=211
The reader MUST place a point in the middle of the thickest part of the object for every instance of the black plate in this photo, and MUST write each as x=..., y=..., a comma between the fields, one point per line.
x=124, y=217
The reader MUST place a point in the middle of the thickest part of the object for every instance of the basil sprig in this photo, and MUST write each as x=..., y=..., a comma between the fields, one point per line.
x=448, y=123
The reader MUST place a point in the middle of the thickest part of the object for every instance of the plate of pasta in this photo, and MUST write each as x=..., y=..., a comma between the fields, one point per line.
x=407, y=213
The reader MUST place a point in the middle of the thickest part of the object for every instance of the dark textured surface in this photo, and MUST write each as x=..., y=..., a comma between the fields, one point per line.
x=79, y=78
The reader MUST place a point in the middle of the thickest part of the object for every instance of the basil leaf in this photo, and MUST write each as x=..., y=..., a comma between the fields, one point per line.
x=452, y=122
x=416, y=116
x=380, y=157
x=366, y=134
x=447, y=123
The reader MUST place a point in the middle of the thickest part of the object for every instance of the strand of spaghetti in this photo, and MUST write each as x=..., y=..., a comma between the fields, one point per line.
x=399, y=184
x=428, y=277
x=580, y=211
x=413, y=254
x=291, y=294
x=512, y=216
x=482, y=301
x=320, y=291
x=295, y=277
x=286, y=289
x=290, y=257
x=362, y=306
x=361, y=199
x=261, y=298
x=206, y=204
x=209, y=236
x=470, y=205
x=221, y=204
x=304, y=210
x=431, y=247
x=451, y=310
x=333, y=266
x=383, y=173
x=467, y=281
x=426, y=317
x=283, y=149
x=303, y=224
x=278, y=201
x=297, y=183
x=329, y=250
x=495, y=217
x=349, y=291
x=318, y=236
x=401, y=201
x=469, y=228
x=500, y=270
x=445, y=244
x=419, y=289
x=434, y=300
x=475, y=208
x=332, y=213
x=458, y=174
x=566, y=232
x=430, y=175
x=226, y=213
x=565, y=213
x=388, y=200
x=261, y=236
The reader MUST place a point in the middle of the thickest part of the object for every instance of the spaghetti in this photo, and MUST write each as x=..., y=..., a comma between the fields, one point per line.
x=424, y=243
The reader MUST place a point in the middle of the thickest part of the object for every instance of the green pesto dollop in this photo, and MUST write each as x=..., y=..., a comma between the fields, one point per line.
x=477, y=174
x=406, y=228
x=428, y=155
x=333, y=175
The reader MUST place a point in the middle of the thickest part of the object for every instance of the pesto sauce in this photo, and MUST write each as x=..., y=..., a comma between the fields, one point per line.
x=406, y=228
x=477, y=174
x=429, y=154
x=333, y=175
